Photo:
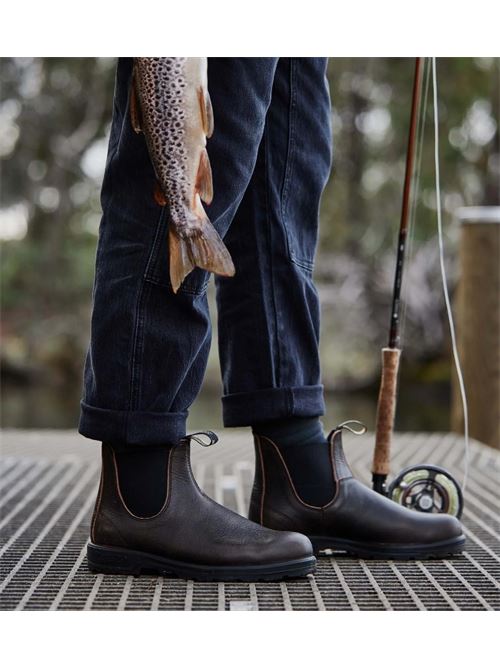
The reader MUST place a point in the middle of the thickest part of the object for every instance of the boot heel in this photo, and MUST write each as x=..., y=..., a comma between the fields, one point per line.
x=112, y=560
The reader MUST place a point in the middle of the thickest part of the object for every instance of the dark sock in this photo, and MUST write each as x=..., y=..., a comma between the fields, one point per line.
x=305, y=450
x=142, y=473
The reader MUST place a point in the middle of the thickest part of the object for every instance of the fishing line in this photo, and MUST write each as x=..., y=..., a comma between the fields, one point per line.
x=456, y=359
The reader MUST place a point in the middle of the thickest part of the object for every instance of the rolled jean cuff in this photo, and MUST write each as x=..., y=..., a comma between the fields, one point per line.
x=132, y=427
x=243, y=409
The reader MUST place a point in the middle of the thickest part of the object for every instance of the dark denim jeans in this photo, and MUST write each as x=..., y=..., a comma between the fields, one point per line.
x=270, y=156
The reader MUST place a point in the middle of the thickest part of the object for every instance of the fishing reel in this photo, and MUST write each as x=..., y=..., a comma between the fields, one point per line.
x=428, y=489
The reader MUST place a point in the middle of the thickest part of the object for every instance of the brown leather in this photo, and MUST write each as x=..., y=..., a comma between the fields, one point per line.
x=190, y=527
x=356, y=513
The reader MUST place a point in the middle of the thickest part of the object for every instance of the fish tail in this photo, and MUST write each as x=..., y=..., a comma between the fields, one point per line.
x=205, y=250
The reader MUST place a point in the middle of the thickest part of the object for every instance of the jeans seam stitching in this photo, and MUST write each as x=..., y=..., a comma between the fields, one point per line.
x=135, y=373
x=132, y=365
x=135, y=367
x=152, y=253
x=105, y=209
x=291, y=143
x=196, y=293
x=136, y=351
x=289, y=163
x=184, y=290
x=303, y=264
x=271, y=265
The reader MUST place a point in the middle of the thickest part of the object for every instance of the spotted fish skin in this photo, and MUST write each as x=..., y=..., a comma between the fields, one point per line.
x=170, y=104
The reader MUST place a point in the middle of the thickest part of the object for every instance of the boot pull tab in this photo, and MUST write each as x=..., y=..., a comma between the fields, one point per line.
x=345, y=425
x=341, y=468
x=212, y=438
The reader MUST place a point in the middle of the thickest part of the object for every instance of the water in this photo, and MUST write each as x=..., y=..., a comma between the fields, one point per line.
x=420, y=408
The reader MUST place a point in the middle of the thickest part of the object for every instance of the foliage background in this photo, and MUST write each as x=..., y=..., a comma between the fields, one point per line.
x=54, y=121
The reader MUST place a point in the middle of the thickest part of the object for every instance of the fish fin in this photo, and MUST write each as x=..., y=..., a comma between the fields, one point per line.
x=205, y=250
x=159, y=195
x=180, y=262
x=210, y=115
x=135, y=109
x=207, y=113
x=204, y=185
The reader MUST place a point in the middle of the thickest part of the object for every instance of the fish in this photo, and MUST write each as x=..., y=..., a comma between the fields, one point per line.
x=170, y=104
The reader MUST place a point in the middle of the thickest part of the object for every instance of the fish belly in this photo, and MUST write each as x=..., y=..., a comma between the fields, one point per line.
x=168, y=91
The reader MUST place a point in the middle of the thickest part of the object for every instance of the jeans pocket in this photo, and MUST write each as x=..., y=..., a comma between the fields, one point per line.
x=158, y=269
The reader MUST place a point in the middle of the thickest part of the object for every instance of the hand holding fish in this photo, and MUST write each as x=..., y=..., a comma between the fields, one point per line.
x=170, y=104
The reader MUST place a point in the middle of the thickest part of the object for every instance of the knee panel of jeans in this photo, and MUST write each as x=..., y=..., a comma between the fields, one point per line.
x=308, y=157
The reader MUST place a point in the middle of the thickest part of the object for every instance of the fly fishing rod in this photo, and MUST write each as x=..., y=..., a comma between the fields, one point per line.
x=424, y=487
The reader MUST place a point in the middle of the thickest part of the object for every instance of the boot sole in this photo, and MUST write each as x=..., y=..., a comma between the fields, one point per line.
x=120, y=561
x=436, y=550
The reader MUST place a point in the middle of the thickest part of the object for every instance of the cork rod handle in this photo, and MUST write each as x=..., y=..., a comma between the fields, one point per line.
x=386, y=409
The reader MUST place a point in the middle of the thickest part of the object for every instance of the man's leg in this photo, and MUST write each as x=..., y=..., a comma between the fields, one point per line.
x=148, y=355
x=269, y=332
x=149, y=346
x=269, y=311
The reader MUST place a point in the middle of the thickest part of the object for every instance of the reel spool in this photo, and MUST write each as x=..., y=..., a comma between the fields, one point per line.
x=428, y=489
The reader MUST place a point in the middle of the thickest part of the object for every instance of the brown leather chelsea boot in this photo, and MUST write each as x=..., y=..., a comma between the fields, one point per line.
x=192, y=536
x=357, y=520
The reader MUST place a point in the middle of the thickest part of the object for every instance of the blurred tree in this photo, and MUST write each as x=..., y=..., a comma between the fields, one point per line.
x=57, y=112
x=54, y=119
x=361, y=206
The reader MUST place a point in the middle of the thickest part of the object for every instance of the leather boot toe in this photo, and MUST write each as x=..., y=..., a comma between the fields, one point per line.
x=357, y=520
x=192, y=536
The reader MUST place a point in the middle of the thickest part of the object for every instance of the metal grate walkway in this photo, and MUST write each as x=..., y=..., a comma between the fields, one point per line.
x=49, y=482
